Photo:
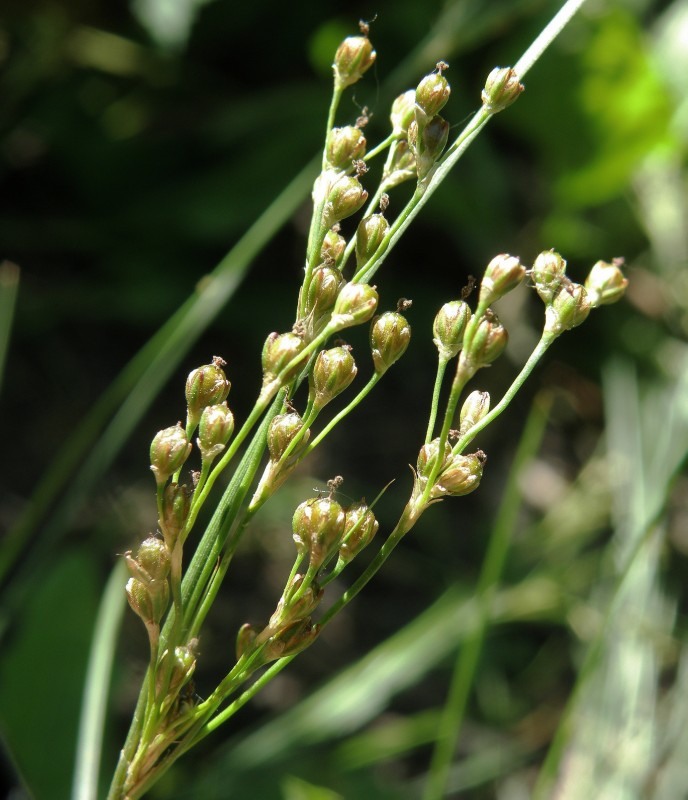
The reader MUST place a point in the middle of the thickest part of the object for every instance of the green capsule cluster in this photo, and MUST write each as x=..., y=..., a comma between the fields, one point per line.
x=567, y=303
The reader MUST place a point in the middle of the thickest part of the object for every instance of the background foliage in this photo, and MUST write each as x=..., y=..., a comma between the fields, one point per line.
x=138, y=142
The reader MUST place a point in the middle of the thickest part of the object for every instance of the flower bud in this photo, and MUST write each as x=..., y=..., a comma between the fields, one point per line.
x=361, y=526
x=403, y=112
x=449, y=328
x=282, y=431
x=427, y=458
x=605, y=284
x=370, y=234
x=487, y=341
x=214, y=430
x=354, y=56
x=344, y=146
x=475, y=408
x=432, y=94
x=332, y=373
x=502, y=88
x=390, y=335
x=355, y=304
x=568, y=309
x=346, y=197
x=169, y=450
x=461, y=476
x=176, y=504
x=205, y=386
x=279, y=350
x=548, y=274
x=333, y=248
x=318, y=528
x=502, y=274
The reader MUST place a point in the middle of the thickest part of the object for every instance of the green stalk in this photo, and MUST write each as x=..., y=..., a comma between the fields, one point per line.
x=493, y=565
x=96, y=686
x=9, y=289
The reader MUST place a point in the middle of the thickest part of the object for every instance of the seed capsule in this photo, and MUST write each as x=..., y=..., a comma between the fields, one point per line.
x=169, y=450
x=502, y=88
x=279, y=350
x=205, y=386
x=461, y=476
x=214, y=430
x=318, y=528
x=390, y=335
x=449, y=328
x=332, y=373
x=548, y=274
x=568, y=309
x=475, y=407
x=354, y=56
x=487, y=341
x=502, y=274
x=606, y=283
x=345, y=145
x=361, y=527
x=432, y=94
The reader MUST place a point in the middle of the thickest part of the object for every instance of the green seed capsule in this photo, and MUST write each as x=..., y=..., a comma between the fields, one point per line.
x=169, y=450
x=205, y=386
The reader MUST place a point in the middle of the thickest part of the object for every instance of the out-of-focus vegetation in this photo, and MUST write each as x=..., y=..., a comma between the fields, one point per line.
x=138, y=143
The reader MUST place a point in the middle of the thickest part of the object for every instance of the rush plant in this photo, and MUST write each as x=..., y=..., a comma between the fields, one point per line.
x=176, y=571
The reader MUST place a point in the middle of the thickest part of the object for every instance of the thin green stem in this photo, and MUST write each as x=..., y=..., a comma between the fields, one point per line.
x=365, y=391
x=540, y=349
x=9, y=290
x=492, y=568
x=98, y=676
x=434, y=406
